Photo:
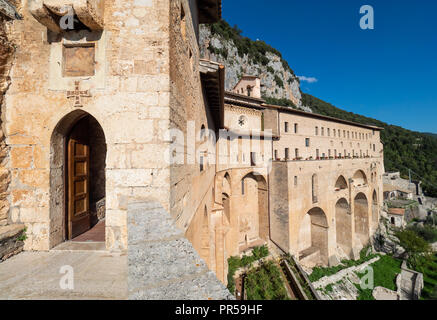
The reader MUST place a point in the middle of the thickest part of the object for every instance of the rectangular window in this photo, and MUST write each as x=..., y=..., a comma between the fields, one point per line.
x=276, y=154
x=295, y=181
x=307, y=142
x=323, y=131
x=296, y=153
x=242, y=187
x=329, y=132
x=335, y=133
x=287, y=153
x=295, y=128
x=286, y=126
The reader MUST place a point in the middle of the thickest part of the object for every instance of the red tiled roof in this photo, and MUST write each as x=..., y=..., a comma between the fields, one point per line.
x=396, y=211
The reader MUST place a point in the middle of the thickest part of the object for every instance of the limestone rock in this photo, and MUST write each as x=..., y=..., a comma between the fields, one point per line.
x=212, y=46
x=381, y=293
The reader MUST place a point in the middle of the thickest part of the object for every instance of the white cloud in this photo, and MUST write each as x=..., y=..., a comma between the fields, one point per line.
x=308, y=79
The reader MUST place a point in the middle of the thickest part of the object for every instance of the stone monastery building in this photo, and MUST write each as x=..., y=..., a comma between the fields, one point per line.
x=122, y=108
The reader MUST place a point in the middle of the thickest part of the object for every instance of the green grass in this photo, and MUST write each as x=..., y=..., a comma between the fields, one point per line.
x=385, y=271
x=265, y=283
x=320, y=272
x=235, y=263
x=429, y=269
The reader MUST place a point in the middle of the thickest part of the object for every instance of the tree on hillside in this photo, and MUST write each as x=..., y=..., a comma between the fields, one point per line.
x=415, y=246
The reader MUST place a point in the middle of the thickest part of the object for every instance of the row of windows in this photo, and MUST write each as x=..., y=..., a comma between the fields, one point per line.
x=287, y=129
x=335, y=132
x=308, y=144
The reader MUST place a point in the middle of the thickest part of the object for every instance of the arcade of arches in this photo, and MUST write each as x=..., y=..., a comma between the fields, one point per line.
x=237, y=222
x=334, y=227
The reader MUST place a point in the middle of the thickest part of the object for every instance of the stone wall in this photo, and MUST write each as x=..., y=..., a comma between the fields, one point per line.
x=162, y=263
x=6, y=52
x=129, y=98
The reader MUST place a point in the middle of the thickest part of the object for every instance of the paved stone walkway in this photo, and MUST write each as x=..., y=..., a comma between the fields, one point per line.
x=36, y=275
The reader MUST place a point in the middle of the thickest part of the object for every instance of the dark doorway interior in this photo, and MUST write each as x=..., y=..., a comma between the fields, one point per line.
x=85, y=181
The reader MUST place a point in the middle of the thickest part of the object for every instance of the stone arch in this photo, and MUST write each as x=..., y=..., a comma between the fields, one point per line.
x=341, y=183
x=313, y=238
x=343, y=226
x=72, y=123
x=360, y=178
x=361, y=213
x=253, y=212
x=227, y=184
x=375, y=208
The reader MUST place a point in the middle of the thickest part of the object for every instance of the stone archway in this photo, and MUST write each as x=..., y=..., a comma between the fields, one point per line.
x=77, y=125
x=360, y=178
x=313, y=238
x=253, y=212
x=361, y=212
x=343, y=226
x=340, y=184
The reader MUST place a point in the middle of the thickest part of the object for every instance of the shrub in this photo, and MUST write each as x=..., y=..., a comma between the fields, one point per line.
x=414, y=245
x=279, y=81
x=265, y=283
x=235, y=263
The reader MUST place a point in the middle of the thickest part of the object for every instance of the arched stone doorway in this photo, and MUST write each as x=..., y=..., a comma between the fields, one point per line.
x=313, y=238
x=343, y=226
x=361, y=212
x=77, y=178
x=253, y=212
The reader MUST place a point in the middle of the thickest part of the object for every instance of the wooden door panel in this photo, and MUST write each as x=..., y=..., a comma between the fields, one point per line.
x=78, y=190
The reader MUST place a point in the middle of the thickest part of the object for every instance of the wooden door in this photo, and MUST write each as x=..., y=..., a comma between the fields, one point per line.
x=78, y=217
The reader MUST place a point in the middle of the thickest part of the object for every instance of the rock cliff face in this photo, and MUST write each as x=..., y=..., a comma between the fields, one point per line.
x=278, y=81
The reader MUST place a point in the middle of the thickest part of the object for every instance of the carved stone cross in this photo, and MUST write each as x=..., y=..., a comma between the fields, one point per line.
x=77, y=94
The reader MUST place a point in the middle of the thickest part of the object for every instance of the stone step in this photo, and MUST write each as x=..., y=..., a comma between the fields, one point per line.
x=9, y=243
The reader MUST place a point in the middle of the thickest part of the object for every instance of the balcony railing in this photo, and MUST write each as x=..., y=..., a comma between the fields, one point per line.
x=322, y=158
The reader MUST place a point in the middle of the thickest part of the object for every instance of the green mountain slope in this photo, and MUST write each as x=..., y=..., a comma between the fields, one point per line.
x=402, y=148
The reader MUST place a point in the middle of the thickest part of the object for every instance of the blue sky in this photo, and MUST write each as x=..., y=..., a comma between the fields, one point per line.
x=388, y=73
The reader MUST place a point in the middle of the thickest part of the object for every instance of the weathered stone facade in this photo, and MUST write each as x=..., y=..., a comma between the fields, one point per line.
x=129, y=79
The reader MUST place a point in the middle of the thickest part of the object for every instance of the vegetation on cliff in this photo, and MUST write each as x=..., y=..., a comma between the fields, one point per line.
x=256, y=50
